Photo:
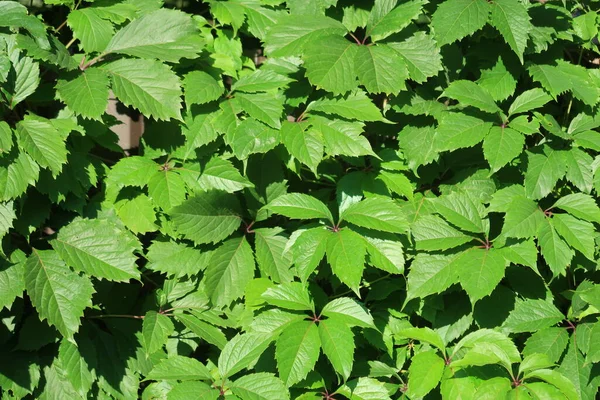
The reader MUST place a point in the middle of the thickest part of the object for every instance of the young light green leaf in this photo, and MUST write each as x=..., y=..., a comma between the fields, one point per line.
x=531, y=315
x=329, y=63
x=230, y=269
x=297, y=351
x=179, y=368
x=511, y=19
x=433, y=233
x=208, y=217
x=156, y=329
x=86, y=95
x=291, y=295
x=376, y=213
x=471, y=94
x=162, y=34
x=98, y=248
x=346, y=251
x=241, y=351
x=529, y=100
x=364, y=388
x=337, y=341
x=349, y=311
x=58, y=294
x=260, y=386
x=501, y=146
x=424, y=374
x=455, y=19
x=380, y=69
x=300, y=206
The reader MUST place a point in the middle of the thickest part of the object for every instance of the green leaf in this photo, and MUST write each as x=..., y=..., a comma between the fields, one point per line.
x=162, y=34
x=355, y=105
x=421, y=55
x=264, y=107
x=433, y=233
x=86, y=95
x=43, y=142
x=457, y=130
x=25, y=81
x=419, y=145
x=148, y=85
x=343, y=139
x=529, y=100
x=132, y=171
x=346, y=251
x=200, y=88
x=381, y=69
x=261, y=80
x=580, y=205
x=349, y=311
x=549, y=341
x=462, y=211
x=167, y=189
x=19, y=174
x=455, y=19
x=242, y=350
x=179, y=368
x=75, y=367
x=424, y=374
x=292, y=295
x=501, y=146
x=260, y=386
x=12, y=282
x=376, y=213
x=272, y=259
x=98, y=248
x=578, y=234
x=337, y=341
x=219, y=174
x=557, y=379
x=555, y=250
x=579, y=169
x=230, y=269
x=300, y=206
x=137, y=214
x=385, y=251
x=6, y=137
x=426, y=335
x=480, y=271
x=251, y=137
x=291, y=34
x=7, y=216
x=531, y=315
x=429, y=274
x=365, y=388
x=523, y=218
x=329, y=63
x=386, y=18
x=208, y=217
x=156, y=329
x=308, y=250
x=58, y=294
x=297, y=351
x=15, y=15
x=471, y=94
x=511, y=19
x=302, y=142
x=93, y=32
x=203, y=330
x=499, y=80
x=193, y=390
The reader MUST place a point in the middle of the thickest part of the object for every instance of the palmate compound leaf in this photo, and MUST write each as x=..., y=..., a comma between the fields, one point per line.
x=207, y=217
x=300, y=206
x=156, y=329
x=230, y=269
x=162, y=34
x=97, y=248
x=86, y=95
x=337, y=341
x=455, y=19
x=329, y=63
x=241, y=351
x=346, y=252
x=148, y=85
x=511, y=19
x=297, y=350
x=58, y=294
x=376, y=213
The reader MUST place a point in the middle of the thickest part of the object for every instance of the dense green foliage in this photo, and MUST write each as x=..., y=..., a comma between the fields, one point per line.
x=332, y=199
